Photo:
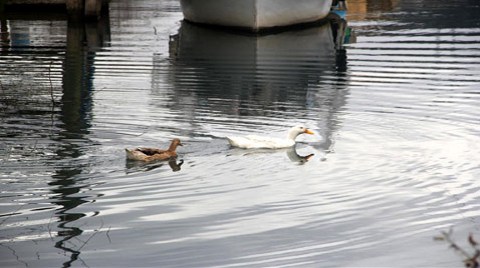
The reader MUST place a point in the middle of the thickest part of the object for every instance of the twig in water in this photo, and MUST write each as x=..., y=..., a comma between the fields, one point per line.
x=14, y=253
x=48, y=226
x=471, y=260
x=95, y=232
x=11, y=214
x=108, y=235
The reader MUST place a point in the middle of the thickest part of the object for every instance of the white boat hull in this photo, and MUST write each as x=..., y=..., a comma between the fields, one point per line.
x=255, y=14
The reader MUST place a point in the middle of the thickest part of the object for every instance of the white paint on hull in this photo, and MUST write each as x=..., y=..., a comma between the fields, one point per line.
x=255, y=14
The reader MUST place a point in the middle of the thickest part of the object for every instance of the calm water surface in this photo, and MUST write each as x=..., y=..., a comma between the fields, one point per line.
x=395, y=108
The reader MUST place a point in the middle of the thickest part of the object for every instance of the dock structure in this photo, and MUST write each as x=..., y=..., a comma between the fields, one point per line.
x=75, y=9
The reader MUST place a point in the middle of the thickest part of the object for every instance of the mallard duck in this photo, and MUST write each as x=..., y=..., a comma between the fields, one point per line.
x=154, y=154
x=254, y=142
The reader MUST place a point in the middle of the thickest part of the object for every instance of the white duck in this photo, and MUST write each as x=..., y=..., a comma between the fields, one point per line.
x=253, y=141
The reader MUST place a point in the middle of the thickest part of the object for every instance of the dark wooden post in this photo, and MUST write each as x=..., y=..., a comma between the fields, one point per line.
x=92, y=9
x=75, y=9
x=2, y=5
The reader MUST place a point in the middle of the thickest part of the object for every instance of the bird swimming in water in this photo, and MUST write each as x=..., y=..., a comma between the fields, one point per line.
x=257, y=142
x=146, y=154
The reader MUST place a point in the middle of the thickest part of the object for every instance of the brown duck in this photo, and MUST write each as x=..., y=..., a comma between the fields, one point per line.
x=154, y=154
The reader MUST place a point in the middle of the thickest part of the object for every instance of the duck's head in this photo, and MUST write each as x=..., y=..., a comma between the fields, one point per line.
x=175, y=142
x=295, y=131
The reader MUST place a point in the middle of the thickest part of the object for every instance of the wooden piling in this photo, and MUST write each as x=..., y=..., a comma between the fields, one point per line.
x=93, y=9
x=76, y=9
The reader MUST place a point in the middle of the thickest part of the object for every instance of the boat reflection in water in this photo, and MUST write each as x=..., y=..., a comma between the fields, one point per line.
x=244, y=76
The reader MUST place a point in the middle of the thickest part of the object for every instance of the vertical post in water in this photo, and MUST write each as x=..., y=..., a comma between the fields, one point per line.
x=92, y=9
x=2, y=5
x=75, y=9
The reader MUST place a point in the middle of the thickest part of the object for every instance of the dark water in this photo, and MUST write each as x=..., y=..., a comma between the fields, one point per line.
x=394, y=103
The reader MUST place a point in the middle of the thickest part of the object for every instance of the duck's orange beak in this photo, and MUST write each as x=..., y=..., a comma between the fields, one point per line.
x=308, y=131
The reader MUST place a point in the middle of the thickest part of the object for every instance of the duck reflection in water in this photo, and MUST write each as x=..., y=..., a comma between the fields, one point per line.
x=136, y=166
x=295, y=157
x=291, y=152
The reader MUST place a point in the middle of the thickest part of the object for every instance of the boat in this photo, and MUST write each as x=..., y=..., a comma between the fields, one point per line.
x=255, y=15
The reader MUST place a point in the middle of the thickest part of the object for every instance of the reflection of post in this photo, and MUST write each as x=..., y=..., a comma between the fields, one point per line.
x=75, y=125
x=74, y=77
x=342, y=34
x=4, y=33
x=78, y=68
x=66, y=199
x=98, y=32
x=76, y=106
x=83, y=39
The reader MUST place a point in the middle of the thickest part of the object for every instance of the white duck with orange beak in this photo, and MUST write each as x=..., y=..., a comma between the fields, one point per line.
x=262, y=142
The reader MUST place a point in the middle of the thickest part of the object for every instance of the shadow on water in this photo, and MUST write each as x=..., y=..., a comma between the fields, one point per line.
x=244, y=75
x=71, y=114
